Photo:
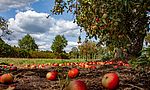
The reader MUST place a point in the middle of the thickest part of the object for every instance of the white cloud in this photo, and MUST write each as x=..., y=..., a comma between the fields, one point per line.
x=7, y=4
x=42, y=29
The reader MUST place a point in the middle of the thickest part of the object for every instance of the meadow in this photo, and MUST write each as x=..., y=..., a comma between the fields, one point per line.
x=23, y=61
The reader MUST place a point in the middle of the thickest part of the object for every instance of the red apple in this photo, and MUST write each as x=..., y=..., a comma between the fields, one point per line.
x=127, y=65
x=120, y=63
x=73, y=72
x=33, y=66
x=55, y=64
x=76, y=85
x=11, y=64
x=7, y=78
x=110, y=80
x=93, y=67
x=52, y=75
x=13, y=68
x=97, y=20
x=115, y=67
x=5, y=66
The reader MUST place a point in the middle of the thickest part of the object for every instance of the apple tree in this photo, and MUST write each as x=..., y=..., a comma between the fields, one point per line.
x=116, y=23
x=88, y=49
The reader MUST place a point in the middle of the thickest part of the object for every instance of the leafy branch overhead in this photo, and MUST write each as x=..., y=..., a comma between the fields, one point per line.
x=4, y=27
x=117, y=23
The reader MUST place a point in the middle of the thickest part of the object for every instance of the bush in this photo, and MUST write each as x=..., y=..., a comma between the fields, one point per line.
x=41, y=54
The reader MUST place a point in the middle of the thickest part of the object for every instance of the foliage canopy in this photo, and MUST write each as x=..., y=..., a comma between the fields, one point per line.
x=117, y=23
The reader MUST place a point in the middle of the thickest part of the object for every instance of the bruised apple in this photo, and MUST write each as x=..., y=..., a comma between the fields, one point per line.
x=52, y=75
x=76, y=85
x=6, y=78
x=110, y=81
x=73, y=73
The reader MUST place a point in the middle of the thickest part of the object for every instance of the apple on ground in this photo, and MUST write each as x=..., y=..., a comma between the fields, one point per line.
x=52, y=75
x=7, y=78
x=76, y=85
x=13, y=68
x=93, y=67
x=5, y=66
x=73, y=73
x=127, y=65
x=11, y=64
x=110, y=80
x=55, y=64
x=115, y=67
x=33, y=66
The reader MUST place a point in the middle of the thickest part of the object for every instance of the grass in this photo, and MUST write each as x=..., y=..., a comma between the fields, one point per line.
x=23, y=61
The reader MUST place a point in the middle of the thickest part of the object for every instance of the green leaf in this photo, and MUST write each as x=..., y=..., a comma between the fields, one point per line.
x=104, y=21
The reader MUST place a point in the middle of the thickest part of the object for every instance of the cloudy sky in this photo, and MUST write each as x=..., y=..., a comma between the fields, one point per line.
x=29, y=17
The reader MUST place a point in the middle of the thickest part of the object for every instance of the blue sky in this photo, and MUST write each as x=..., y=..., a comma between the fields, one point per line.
x=37, y=5
x=29, y=17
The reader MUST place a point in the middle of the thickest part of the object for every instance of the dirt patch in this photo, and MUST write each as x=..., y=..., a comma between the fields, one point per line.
x=34, y=79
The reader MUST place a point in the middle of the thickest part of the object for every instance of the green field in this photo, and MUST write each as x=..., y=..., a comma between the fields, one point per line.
x=22, y=61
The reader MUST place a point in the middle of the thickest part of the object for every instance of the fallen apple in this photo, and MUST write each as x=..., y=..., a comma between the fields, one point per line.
x=7, y=78
x=5, y=66
x=33, y=66
x=52, y=75
x=115, y=67
x=73, y=73
x=76, y=85
x=11, y=64
x=110, y=81
x=13, y=68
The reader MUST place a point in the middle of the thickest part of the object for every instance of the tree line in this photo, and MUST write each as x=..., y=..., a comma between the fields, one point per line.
x=27, y=48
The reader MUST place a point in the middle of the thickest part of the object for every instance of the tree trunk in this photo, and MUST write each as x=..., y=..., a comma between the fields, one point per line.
x=136, y=35
x=136, y=46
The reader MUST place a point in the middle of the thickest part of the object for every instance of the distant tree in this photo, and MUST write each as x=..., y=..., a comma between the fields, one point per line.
x=88, y=49
x=28, y=43
x=5, y=49
x=59, y=43
x=74, y=52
